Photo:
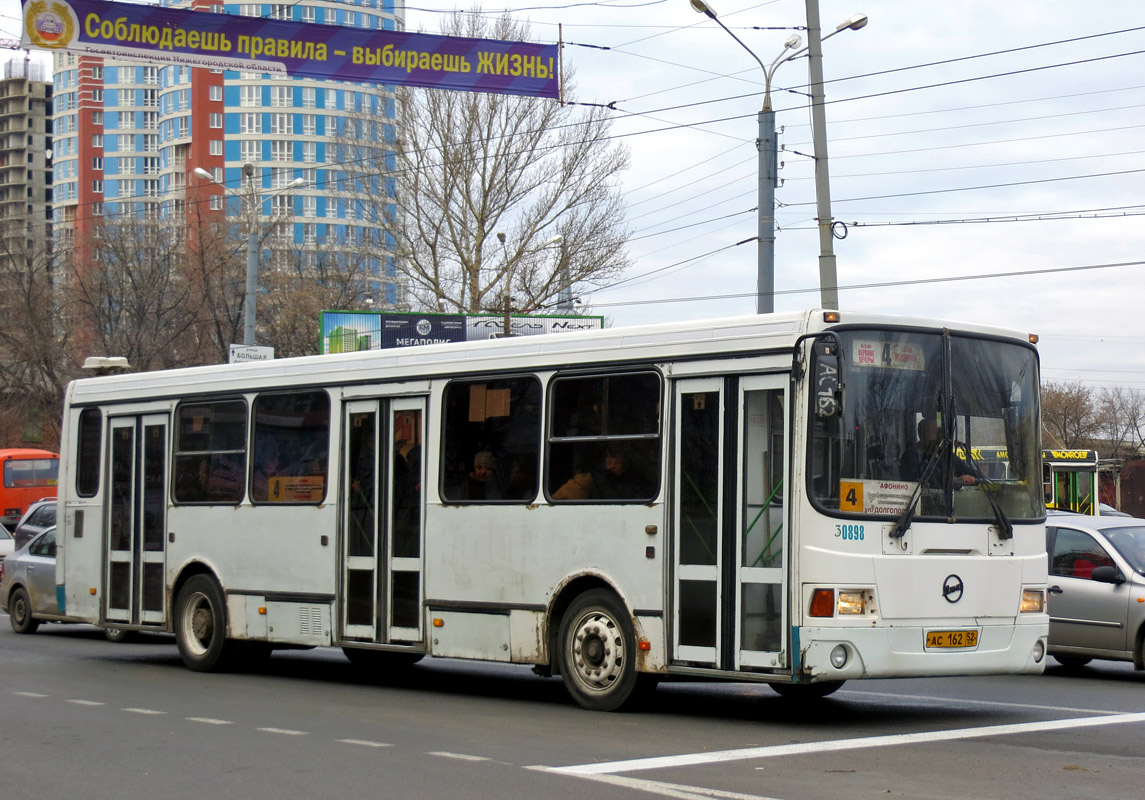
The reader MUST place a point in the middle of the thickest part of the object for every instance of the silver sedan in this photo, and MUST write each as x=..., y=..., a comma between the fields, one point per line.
x=28, y=587
x=1096, y=588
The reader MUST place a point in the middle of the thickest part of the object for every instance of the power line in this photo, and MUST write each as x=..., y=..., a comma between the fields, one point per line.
x=874, y=285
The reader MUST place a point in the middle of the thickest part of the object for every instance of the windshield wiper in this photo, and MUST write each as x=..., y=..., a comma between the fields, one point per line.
x=1005, y=527
x=902, y=524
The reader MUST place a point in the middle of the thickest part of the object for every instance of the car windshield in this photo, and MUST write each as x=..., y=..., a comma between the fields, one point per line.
x=949, y=420
x=1130, y=543
x=4, y=533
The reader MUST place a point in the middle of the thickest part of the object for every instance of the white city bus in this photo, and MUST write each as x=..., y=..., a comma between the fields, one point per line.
x=732, y=499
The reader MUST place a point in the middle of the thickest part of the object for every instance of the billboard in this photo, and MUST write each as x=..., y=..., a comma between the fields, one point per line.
x=351, y=331
x=327, y=52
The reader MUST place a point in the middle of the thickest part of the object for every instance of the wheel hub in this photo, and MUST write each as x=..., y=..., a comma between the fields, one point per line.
x=598, y=651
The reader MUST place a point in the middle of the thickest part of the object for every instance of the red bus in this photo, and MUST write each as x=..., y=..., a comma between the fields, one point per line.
x=28, y=475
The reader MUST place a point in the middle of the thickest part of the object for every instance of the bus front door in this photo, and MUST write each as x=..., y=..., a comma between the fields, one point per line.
x=382, y=585
x=729, y=562
x=137, y=521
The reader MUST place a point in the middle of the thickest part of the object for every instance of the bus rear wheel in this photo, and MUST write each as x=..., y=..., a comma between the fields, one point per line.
x=598, y=652
x=201, y=625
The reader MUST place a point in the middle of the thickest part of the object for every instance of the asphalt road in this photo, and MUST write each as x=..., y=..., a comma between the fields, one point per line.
x=82, y=717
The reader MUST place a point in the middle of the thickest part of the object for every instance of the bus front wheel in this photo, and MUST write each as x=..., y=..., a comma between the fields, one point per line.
x=201, y=625
x=598, y=651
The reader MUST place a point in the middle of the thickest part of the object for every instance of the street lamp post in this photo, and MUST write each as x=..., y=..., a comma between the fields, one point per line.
x=252, y=237
x=768, y=168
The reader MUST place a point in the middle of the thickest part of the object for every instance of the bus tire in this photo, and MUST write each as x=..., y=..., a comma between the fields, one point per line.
x=201, y=625
x=598, y=651
x=806, y=691
x=117, y=635
x=20, y=611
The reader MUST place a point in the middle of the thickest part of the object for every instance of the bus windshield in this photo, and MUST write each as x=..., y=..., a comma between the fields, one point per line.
x=948, y=417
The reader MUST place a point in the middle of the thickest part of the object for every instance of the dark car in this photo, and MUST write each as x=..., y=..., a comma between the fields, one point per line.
x=28, y=587
x=1096, y=588
x=40, y=516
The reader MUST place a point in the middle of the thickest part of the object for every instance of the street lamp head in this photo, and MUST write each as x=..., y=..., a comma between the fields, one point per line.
x=793, y=41
x=854, y=23
x=702, y=7
x=297, y=182
x=202, y=173
x=551, y=240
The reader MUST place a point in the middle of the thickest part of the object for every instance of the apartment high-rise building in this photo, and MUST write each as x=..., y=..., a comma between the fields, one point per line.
x=25, y=148
x=130, y=137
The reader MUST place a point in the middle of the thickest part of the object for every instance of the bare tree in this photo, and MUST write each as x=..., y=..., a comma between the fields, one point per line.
x=216, y=268
x=302, y=283
x=133, y=295
x=1069, y=415
x=485, y=184
x=35, y=336
x=1120, y=412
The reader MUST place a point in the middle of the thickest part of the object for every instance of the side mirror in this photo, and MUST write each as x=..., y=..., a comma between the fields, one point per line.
x=828, y=386
x=1107, y=575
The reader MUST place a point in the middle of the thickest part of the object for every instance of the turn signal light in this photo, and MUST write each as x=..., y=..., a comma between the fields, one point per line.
x=823, y=603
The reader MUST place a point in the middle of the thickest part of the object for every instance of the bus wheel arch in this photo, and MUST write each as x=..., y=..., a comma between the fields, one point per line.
x=200, y=622
x=567, y=592
x=596, y=650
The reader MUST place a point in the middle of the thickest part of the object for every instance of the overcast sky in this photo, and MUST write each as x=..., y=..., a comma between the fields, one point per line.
x=981, y=116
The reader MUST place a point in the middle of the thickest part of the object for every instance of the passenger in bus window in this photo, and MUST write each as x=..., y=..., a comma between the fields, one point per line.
x=479, y=484
x=915, y=460
x=522, y=480
x=616, y=479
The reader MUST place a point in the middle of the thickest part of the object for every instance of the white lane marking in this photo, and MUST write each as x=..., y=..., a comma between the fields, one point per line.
x=282, y=731
x=30, y=694
x=86, y=702
x=210, y=720
x=965, y=702
x=143, y=711
x=676, y=790
x=458, y=756
x=691, y=759
x=364, y=743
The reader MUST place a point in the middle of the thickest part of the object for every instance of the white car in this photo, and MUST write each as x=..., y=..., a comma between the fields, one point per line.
x=7, y=543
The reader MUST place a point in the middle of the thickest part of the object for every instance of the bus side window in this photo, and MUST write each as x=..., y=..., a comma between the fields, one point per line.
x=88, y=439
x=210, y=452
x=604, y=438
x=491, y=440
x=291, y=448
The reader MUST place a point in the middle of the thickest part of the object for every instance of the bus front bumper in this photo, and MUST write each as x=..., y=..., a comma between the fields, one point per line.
x=894, y=651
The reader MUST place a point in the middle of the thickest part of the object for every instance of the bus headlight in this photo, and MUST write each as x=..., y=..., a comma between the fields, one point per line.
x=852, y=603
x=1033, y=601
x=839, y=656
